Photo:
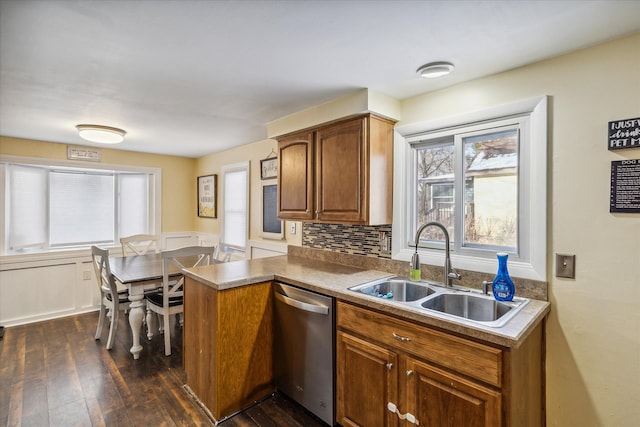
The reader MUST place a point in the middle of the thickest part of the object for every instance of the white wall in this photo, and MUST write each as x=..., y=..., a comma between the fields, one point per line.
x=593, y=331
x=36, y=287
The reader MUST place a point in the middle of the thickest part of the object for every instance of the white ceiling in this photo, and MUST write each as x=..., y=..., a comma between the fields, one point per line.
x=194, y=77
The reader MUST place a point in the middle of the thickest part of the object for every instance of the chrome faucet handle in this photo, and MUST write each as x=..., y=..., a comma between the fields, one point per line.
x=453, y=274
x=485, y=287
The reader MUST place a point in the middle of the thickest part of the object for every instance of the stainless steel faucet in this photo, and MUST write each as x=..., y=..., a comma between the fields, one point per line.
x=449, y=272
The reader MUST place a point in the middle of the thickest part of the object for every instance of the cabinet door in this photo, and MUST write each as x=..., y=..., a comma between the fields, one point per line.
x=367, y=381
x=341, y=187
x=440, y=398
x=295, y=177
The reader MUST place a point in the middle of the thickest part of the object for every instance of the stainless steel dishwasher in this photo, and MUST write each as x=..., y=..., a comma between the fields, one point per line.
x=304, y=352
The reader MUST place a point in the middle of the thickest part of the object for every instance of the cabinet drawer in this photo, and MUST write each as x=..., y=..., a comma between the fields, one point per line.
x=467, y=357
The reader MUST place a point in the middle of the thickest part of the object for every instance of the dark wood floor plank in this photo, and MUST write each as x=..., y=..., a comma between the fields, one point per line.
x=34, y=398
x=256, y=413
x=59, y=362
x=14, y=414
x=70, y=414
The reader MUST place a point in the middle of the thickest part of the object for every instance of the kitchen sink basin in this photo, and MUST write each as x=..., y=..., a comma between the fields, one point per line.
x=455, y=303
x=395, y=289
x=468, y=306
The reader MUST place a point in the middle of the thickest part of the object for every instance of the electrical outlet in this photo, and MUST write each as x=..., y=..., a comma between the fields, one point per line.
x=86, y=275
x=292, y=228
x=566, y=266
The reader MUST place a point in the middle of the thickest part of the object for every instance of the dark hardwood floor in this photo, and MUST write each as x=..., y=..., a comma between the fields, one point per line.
x=54, y=373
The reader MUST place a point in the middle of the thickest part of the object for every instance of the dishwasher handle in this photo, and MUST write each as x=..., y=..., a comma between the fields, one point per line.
x=313, y=308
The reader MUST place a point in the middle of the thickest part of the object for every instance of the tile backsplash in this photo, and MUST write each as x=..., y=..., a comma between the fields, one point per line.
x=367, y=240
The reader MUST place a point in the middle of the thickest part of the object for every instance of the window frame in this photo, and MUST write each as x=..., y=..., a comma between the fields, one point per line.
x=155, y=193
x=532, y=198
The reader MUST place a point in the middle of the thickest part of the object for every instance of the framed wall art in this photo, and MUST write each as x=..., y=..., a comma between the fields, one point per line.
x=207, y=196
x=269, y=168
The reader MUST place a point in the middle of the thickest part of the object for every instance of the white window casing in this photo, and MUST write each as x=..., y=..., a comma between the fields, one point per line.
x=530, y=262
x=68, y=180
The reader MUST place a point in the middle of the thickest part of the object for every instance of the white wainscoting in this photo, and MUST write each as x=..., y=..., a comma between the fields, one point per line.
x=43, y=286
x=263, y=249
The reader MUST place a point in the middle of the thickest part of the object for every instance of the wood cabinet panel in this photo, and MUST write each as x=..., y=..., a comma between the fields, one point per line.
x=228, y=345
x=439, y=398
x=468, y=357
x=341, y=184
x=295, y=177
x=368, y=377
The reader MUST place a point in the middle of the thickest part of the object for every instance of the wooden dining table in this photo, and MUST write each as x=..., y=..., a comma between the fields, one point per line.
x=140, y=273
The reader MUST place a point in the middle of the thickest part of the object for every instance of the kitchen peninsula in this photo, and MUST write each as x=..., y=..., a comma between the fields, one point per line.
x=228, y=346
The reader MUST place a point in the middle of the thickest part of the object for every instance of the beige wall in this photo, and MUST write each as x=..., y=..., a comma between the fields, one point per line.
x=213, y=163
x=178, y=176
x=593, y=331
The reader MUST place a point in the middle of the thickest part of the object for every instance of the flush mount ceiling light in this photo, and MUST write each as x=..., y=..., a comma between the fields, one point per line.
x=101, y=134
x=435, y=69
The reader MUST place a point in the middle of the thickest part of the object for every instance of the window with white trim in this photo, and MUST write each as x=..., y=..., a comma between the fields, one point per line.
x=60, y=206
x=235, y=206
x=483, y=176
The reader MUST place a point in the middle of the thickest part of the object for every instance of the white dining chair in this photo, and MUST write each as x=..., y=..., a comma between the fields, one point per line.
x=140, y=244
x=171, y=299
x=110, y=298
x=224, y=252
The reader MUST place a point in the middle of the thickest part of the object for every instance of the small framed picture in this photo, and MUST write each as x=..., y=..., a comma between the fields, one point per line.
x=269, y=168
x=207, y=194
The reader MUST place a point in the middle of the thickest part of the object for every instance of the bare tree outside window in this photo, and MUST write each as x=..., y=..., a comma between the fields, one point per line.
x=489, y=184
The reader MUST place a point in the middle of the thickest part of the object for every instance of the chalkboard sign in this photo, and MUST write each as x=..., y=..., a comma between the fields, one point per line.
x=271, y=225
x=625, y=186
x=624, y=134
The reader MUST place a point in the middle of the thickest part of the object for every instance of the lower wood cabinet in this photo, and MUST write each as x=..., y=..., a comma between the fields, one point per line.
x=440, y=398
x=367, y=380
x=431, y=378
x=228, y=345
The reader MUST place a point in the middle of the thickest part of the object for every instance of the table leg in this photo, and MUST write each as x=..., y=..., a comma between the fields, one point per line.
x=135, y=320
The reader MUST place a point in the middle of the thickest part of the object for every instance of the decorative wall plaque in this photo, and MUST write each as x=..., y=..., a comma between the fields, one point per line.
x=624, y=134
x=625, y=186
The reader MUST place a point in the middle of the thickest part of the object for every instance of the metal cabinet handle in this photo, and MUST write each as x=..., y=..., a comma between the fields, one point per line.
x=409, y=372
x=389, y=366
x=400, y=337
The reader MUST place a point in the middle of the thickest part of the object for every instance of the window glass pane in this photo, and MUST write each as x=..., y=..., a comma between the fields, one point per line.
x=82, y=208
x=491, y=190
x=235, y=208
x=134, y=204
x=27, y=207
x=435, y=188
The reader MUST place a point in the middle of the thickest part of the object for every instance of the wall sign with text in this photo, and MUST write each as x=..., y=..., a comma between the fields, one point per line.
x=624, y=134
x=207, y=196
x=625, y=186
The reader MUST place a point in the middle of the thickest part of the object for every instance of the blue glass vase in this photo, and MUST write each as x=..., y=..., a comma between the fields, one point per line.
x=502, y=287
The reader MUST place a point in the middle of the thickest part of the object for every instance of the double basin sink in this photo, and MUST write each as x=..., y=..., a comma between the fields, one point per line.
x=457, y=303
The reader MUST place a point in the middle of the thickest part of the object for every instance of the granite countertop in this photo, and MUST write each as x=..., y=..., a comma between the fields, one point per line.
x=335, y=279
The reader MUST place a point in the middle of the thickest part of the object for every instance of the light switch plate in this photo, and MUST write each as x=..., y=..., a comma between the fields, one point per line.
x=566, y=266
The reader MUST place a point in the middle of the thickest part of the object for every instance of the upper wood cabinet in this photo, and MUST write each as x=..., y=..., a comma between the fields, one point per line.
x=338, y=173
